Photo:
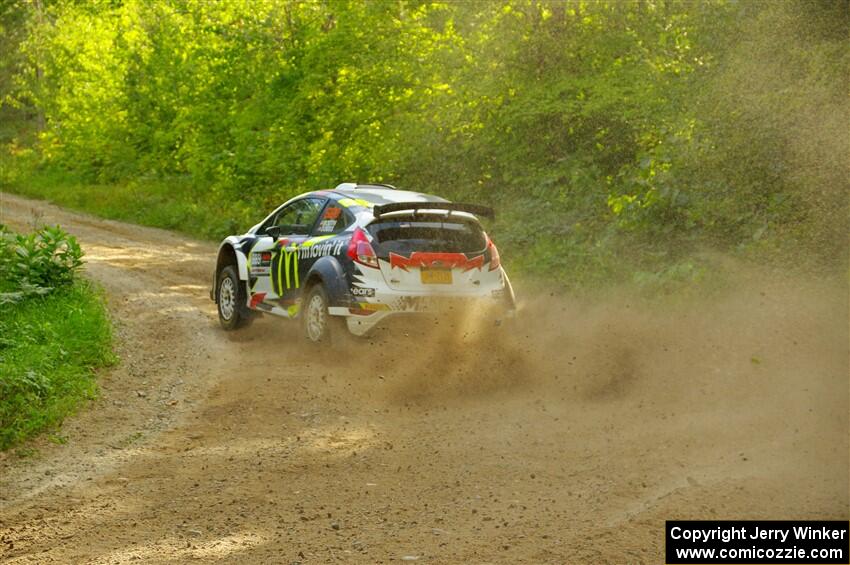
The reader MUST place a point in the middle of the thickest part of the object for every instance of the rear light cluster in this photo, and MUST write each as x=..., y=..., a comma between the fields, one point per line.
x=495, y=262
x=361, y=251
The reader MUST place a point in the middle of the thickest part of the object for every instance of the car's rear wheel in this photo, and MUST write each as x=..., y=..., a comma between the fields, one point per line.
x=230, y=296
x=318, y=324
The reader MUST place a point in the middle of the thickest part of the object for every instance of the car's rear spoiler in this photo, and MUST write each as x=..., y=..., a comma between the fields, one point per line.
x=475, y=209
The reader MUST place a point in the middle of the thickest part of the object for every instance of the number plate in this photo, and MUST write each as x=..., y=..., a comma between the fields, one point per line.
x=435, y=276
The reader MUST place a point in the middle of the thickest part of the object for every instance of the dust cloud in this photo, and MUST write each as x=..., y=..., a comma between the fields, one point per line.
x=568, y=434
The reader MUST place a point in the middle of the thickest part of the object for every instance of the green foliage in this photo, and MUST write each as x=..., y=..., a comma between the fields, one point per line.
x=633, y=133
x=53, y=331
x=48, y=347
x=171, y=203
x=47, y=258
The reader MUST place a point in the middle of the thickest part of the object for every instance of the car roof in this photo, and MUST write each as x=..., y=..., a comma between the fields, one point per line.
x=360, y=198
x=377, y=194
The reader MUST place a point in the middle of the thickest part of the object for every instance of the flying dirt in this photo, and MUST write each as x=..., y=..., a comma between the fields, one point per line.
x=567, y=436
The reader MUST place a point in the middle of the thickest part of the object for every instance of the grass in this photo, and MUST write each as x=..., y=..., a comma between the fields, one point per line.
x=572, y=262
x=174, y=203
x=569, y=261
x=162, y=203
x=50, y=348
x=179, y=204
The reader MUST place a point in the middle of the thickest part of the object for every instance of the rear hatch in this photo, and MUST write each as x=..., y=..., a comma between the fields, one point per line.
x=430, y=253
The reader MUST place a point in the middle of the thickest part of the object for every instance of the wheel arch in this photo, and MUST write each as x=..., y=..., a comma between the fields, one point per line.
x=229, y=254
x=329, y=273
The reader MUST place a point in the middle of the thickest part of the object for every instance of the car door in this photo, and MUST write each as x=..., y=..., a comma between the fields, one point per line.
x=273, y=258
x=293, y=226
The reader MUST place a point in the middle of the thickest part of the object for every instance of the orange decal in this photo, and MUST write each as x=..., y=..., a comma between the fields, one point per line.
x=436, y=260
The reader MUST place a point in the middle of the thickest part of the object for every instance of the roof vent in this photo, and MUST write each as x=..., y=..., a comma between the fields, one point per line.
x=376, y=185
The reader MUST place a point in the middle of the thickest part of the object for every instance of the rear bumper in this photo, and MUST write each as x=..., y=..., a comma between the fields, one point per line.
x=369, y=301
x=362, y=317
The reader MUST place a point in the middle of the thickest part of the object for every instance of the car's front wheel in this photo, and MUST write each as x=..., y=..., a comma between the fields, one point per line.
x=230, y=296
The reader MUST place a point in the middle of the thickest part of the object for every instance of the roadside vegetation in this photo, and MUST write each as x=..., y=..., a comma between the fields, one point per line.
x=54, y=332
x=618, y=141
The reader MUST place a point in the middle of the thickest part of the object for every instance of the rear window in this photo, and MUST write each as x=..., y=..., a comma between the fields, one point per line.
x=405, y=237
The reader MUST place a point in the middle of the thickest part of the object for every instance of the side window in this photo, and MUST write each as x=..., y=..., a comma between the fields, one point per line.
x=334, y=219
x=299, y=217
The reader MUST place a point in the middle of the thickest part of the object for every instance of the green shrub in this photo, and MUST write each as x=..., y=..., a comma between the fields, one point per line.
x=54, y=331
x=36, y=263
x=47, y=258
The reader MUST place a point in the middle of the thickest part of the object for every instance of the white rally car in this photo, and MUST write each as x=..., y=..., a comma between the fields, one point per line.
x=352, y=256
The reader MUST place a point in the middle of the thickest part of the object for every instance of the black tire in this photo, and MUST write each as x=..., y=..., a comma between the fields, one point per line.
x=230, y=298
x=317, y=324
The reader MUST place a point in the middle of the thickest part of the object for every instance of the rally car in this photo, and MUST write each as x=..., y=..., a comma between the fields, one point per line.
x=347, y=258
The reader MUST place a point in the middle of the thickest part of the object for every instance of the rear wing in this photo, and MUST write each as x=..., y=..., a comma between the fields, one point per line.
x=475, y=209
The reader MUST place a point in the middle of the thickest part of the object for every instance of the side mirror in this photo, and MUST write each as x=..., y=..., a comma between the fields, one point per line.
x=273, y=232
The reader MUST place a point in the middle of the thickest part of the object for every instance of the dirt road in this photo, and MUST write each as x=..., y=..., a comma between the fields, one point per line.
x=569, y=440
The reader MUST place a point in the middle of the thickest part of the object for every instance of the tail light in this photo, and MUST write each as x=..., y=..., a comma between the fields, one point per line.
x=361, y=251
x=495, y=262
